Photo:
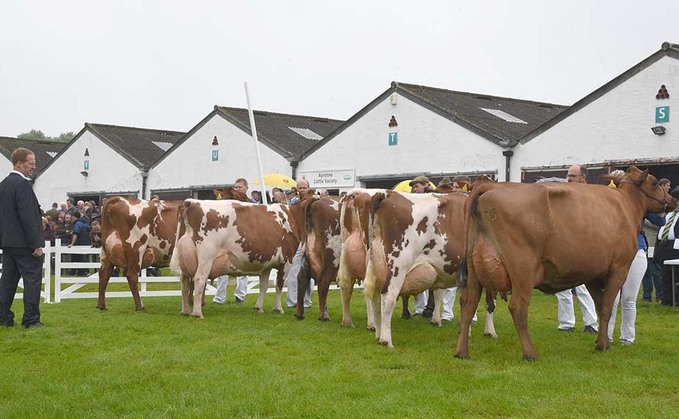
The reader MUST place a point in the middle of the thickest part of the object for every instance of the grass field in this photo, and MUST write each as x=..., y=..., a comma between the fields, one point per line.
x=238, y=363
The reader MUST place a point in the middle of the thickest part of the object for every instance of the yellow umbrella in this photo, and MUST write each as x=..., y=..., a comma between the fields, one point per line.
x=278, y=180
x=405, y=187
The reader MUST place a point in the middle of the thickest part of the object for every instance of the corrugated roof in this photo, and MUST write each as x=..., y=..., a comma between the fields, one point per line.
x=138, y=145
x=287, y=134
x=44, y=151
x=489, y=116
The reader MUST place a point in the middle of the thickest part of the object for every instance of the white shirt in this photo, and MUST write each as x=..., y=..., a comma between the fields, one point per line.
x=20, y=174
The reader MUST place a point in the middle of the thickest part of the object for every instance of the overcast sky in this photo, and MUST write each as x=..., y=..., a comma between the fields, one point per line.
x=165, y=64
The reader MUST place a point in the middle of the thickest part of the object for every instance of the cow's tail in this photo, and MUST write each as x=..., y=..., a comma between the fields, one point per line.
x=471, y=216
x=181, y=229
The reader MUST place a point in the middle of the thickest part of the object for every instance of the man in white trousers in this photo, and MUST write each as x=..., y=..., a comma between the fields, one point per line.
x=291, y=281
x=240, y=185
x=566, y=309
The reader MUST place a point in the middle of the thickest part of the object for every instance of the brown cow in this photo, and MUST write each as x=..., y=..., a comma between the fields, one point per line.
x=135, y=234
x=321, y=249
x=553, y=236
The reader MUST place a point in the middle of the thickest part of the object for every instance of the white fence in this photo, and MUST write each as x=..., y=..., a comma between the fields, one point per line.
x=70, y=286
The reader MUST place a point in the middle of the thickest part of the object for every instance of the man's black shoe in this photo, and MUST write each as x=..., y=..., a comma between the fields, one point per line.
x=36, y=325
x=7, y=324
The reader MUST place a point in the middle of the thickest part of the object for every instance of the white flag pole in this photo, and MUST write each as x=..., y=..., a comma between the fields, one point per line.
x=254, y=137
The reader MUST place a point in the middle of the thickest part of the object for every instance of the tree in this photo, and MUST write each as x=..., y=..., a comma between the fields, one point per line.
x=32, y=135
x=38, y=135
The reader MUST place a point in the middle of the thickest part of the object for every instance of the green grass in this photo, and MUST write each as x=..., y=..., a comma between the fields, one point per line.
x=238, y=363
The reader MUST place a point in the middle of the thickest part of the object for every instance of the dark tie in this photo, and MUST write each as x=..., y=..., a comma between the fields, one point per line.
x=668, y=226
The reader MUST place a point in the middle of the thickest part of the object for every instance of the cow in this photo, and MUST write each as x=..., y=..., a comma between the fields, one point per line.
x=552, y=236
x=354, y=220
x=135, y=234
x=232, y=238
x=417, y=244
x=321, y=249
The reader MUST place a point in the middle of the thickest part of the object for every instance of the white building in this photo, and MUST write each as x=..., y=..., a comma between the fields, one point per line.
x=103, y=160
x=411, y=130
x=626, y=121
x=220, y=149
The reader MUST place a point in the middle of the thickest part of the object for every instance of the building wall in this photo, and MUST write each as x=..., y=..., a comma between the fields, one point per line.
x=427, y=143
x=191, y=163
x=5, y=166
x=617, y=126
x=108, y=172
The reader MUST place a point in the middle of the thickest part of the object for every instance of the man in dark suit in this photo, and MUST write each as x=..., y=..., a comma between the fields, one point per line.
x=21, y=241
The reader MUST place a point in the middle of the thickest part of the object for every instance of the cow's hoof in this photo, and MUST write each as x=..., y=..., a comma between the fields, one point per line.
x=461, y=355
x=278, y=310
x=102, y=308
x=406, y=316
x=324, y=319
x=370, y=328
x=433, y=323
x=386, y=344
x=298, y=317
x=140, y=308
x=197, y=316
x=259, y=309
x=602, y=348
x=347, y=324
x=490, y=335
x=530, y=358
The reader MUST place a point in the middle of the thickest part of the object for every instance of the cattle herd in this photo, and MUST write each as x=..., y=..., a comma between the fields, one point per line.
x=506, y=238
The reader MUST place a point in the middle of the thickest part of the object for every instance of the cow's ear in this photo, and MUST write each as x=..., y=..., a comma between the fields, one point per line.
x=642, y=177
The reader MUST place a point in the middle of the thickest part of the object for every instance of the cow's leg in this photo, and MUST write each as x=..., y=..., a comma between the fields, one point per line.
x=603, y=300
x=518, y=307
x=187, y=291
x=469, y=301
x=346, y=287
x=280, y=282
x=405, y=313
x=263, y=287
x=199, y=284
x=105, y=272
x=489, y=329
x=132, y=274
x=324, y=279
x=388, y=303
x=303, y=277
x=438, y=305
x=370, y=307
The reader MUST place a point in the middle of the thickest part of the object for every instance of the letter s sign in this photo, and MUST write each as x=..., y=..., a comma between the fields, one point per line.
x=662, y=114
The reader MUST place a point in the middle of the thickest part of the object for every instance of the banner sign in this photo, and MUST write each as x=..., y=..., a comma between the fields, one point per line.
x=329, y=179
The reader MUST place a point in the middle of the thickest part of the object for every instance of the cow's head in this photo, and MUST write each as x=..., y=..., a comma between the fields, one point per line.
x=230, y=193
x=658, y=199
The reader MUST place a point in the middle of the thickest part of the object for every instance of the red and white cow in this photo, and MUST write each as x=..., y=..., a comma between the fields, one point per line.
x=417, y=244
x=321, y=249
x=135, y=234
x=232, y=238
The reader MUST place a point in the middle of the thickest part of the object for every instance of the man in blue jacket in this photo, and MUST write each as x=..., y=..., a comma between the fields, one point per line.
x=21, y=241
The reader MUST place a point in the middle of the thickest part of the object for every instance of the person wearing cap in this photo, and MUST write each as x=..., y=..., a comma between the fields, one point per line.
x=291, y=282
x=420, y=184
x=240, y=185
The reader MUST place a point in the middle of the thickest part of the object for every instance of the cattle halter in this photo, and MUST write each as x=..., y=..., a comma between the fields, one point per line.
x=664, y=201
